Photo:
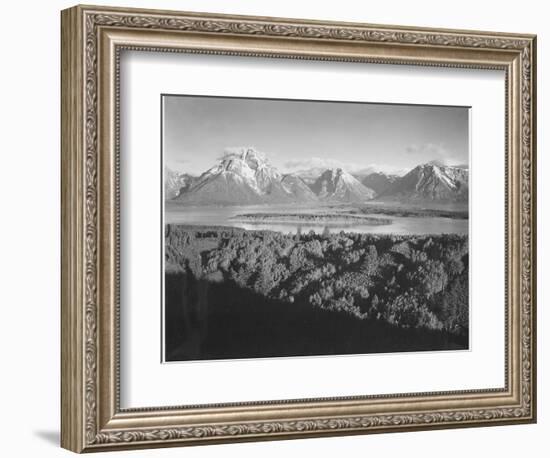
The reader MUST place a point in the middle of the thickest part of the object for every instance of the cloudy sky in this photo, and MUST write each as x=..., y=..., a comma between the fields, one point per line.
x=298, y=135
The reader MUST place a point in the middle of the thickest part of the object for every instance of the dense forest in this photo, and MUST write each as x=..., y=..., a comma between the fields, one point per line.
x=232, y=293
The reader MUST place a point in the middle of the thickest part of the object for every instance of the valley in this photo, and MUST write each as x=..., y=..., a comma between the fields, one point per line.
x=246, y=191
x=314, y=262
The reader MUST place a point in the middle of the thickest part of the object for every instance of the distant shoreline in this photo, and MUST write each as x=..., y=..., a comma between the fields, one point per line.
x=326, y=218
x=339, y=210
x=382, y=209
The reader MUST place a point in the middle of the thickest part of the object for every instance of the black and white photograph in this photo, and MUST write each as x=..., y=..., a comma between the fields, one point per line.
x=310, y=227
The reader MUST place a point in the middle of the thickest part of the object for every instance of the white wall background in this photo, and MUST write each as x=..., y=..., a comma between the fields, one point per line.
x=29, y=241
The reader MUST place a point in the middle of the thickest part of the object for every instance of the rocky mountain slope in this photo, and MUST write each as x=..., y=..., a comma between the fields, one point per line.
x=244, y=177
x=379, y=182
x=176, y=183
x=430, y=182
x=338, y=185
x=298, y=188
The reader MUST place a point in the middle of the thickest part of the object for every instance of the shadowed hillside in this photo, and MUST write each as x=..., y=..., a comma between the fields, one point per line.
x=232, y=293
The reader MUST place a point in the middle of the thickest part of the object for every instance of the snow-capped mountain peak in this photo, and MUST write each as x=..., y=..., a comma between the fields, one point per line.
x=242, y=176
x=432, y=182
x=245, y=176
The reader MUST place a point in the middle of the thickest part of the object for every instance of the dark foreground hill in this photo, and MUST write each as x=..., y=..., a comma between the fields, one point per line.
x=231, y=293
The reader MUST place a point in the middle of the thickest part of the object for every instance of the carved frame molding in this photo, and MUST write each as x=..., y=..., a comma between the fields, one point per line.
x=92, y=38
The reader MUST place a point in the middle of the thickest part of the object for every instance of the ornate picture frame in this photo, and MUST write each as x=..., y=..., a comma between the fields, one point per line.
x=92, y=41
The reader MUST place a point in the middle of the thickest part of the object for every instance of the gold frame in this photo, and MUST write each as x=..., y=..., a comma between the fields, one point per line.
x=92, y=38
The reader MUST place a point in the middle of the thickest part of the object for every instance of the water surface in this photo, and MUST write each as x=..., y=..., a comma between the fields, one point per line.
x=225, y=216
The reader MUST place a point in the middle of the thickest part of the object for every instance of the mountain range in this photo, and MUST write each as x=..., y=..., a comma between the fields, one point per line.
x=244, y=176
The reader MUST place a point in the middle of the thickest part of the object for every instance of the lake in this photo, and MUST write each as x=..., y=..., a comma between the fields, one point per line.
x=226, y=216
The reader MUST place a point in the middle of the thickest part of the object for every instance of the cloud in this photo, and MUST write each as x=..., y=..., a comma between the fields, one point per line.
x=351, y=167
x=313, y=162
x=188, y=165
x=434, y=153
x=230, y=151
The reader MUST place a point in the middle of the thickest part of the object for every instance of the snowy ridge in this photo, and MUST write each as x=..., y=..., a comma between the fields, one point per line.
x=430, y=182
x=244, y=176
